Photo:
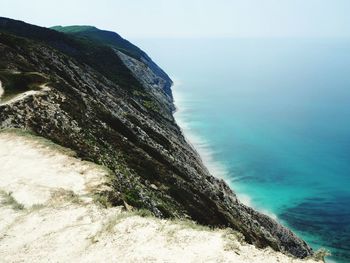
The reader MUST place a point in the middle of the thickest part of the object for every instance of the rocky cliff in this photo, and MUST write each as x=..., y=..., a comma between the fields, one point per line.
x=114, y=108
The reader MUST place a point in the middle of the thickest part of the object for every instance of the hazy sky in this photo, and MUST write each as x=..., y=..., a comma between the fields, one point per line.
x=191, y=18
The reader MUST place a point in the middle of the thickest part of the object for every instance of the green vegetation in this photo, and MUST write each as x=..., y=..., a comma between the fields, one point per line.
x=184, y=223
x=73, y=29
x=151, y=105
x=320, y=254
x=139, y=94
x=63, y=195
x=102, y=199
x=131, y=196
x=102, y=37
x=15, y=83
x=36, y=207
x=143, y=213
x=9, y=200
x=232, y=237
x=112, y=39
x=87, y=50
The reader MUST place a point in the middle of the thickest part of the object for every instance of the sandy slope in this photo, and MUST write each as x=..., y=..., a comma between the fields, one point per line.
x=67, y=227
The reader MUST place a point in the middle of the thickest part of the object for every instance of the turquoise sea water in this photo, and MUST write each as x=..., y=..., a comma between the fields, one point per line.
x=272, y=116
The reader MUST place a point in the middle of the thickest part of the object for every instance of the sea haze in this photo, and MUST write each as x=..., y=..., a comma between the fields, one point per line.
x=271, y=116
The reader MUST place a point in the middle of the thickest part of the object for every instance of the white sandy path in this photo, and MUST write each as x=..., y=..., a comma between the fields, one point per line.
x=23, y=95
x=1, y=89
x=86, y=232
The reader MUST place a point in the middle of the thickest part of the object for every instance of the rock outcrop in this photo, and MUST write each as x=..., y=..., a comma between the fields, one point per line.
x=116, y=110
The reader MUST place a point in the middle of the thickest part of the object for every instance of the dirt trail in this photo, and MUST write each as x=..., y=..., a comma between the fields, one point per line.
x=22, y=95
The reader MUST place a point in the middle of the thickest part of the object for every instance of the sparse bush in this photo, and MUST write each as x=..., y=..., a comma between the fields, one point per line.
x=63, y=195
x=102, y=200
x=37, y=207
x=151, y=105
x=9, y=200
x=234, y=235
x=320, y=254
x=233, y=239
x=187, y=223
x=108, y=226
x=143, y=213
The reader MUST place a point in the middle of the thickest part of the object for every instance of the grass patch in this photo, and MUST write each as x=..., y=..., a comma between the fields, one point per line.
x=63, y=195
x=233, y=240
x=321, y=254
x=102, y=200
x=36, y=207
x=151, y=105
x=9, y=200
x=187, y=223
x=131, y=196
x=231, y=234
x=108, y=226
x=143, y=213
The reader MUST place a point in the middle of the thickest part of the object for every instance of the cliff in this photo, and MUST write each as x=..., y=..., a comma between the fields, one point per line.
x=114, y=108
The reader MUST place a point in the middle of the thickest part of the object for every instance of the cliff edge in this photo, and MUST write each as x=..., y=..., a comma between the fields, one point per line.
x=51, y=210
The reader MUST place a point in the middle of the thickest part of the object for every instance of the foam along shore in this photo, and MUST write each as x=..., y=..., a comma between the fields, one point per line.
x=199, y=144
x=48, y=213
x=215, y=168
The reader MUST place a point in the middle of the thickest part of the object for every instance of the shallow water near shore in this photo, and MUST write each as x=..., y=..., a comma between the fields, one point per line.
x=272, y=117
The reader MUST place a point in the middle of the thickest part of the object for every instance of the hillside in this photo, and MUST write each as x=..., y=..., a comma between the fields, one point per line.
x=112, y=39
x=115, y=110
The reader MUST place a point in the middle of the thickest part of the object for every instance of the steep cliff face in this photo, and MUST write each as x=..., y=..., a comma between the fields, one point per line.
x=115, y=109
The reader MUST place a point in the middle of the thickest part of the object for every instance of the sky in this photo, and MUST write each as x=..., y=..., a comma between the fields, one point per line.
x=191, y=18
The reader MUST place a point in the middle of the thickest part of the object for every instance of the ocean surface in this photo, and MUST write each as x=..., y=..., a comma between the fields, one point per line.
x=272, y=117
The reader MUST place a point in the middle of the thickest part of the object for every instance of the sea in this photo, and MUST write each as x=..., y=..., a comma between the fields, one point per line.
x=272, y=118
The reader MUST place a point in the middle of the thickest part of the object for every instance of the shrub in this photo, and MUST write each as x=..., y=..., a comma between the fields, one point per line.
x=9, y=200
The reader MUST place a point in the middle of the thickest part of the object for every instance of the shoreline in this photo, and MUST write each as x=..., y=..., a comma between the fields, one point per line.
x=219, y=170
x=200, y=145
x=215, y=168
x=203, y=148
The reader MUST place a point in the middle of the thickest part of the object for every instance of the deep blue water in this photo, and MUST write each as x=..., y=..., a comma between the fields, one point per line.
x=272, y=116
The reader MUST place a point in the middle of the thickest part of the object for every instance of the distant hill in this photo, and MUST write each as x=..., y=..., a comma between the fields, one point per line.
x=102, y=37
x=114, y=40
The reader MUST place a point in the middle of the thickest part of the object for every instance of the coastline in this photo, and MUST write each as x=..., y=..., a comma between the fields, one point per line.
x=200, y=145
x=203, y=148
x=214, y=166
